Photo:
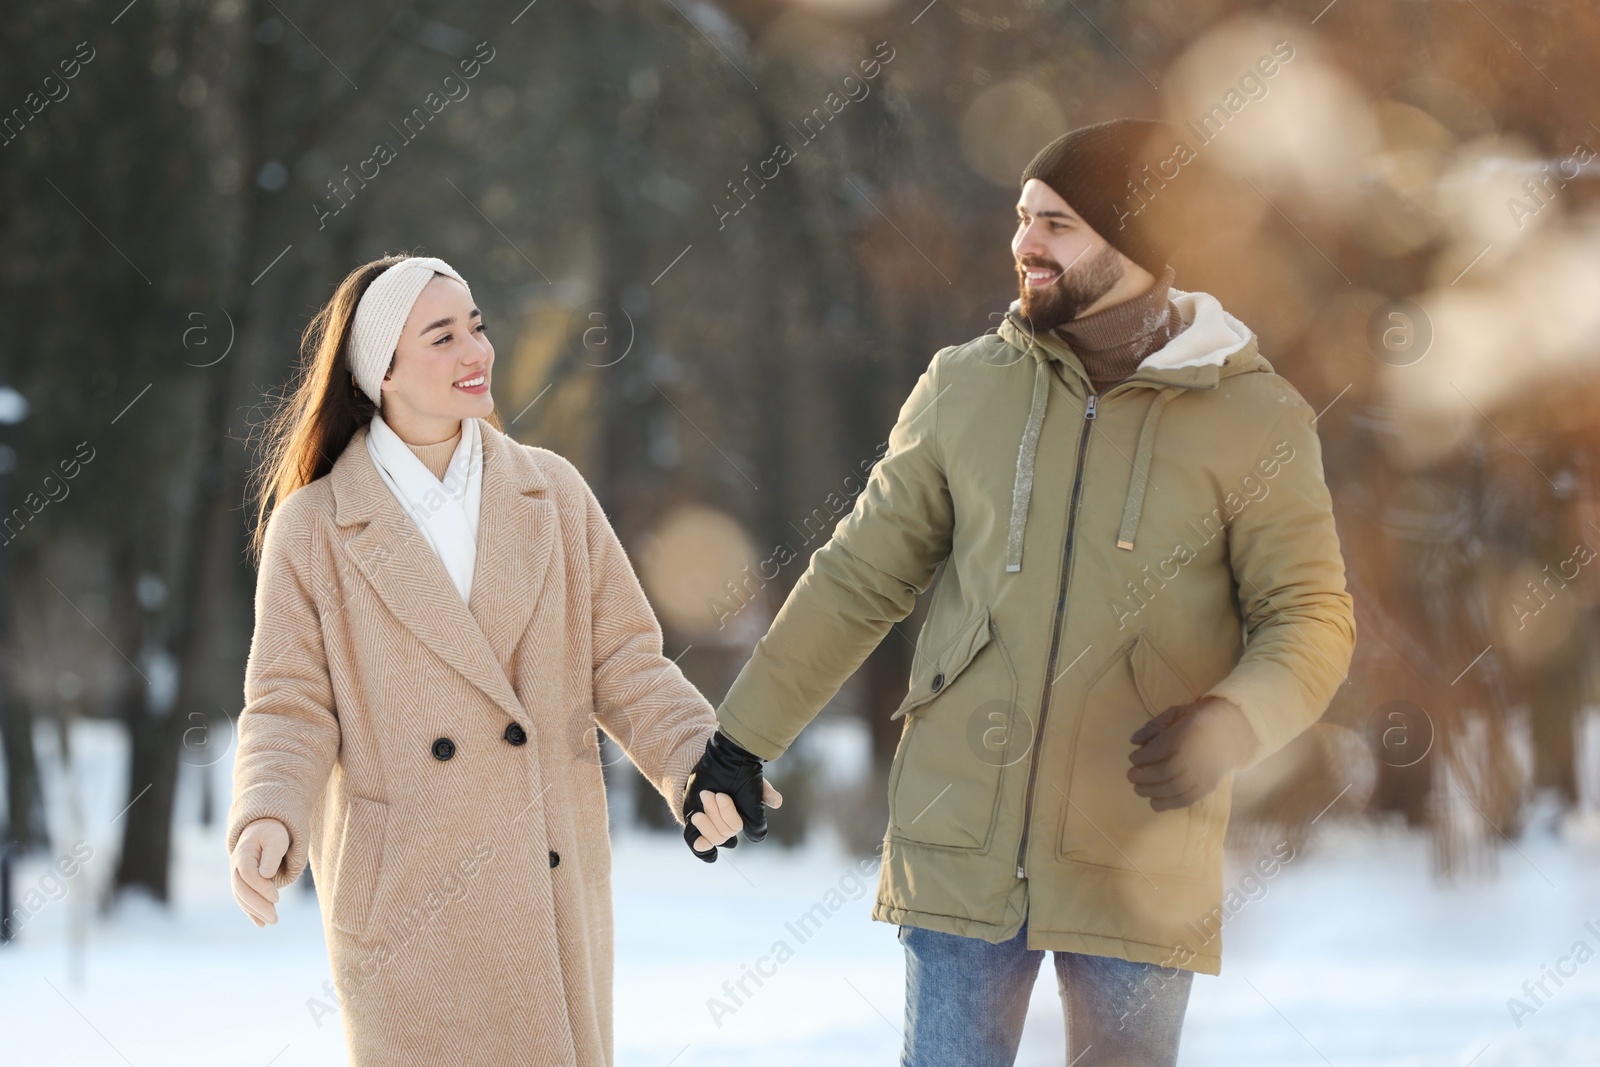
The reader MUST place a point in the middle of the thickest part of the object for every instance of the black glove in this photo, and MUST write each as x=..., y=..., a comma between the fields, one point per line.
x=726, y=767
x=1185, y=751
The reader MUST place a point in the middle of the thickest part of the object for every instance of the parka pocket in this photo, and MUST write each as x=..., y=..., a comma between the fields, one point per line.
x=359, y=864
x=1103, y=821
x=935, y=670
x=959, y=739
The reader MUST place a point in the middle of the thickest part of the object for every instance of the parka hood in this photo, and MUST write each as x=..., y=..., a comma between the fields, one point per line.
x=1211, y=338
x=1212, y=346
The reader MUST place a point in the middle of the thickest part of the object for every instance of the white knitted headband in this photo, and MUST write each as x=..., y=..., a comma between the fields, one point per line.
x=381, y=315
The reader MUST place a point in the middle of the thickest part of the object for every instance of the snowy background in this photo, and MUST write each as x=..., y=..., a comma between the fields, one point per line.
x=1353, y=957
x=1407, y=214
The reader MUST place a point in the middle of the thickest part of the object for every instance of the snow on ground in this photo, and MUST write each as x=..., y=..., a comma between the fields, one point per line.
x=1350, y=956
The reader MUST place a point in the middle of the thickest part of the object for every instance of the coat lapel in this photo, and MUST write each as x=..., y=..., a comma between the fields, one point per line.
x=516, y=538
x=517, y=530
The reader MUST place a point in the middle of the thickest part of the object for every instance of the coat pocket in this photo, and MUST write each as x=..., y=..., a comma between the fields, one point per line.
x=1103, y=821
x=359, y=864
x=960, y=737
x=937, y=668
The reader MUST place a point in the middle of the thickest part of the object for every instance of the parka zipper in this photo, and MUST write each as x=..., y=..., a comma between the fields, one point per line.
x=1055, y=633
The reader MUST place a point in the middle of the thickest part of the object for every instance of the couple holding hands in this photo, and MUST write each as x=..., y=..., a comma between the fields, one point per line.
x=1119, y=623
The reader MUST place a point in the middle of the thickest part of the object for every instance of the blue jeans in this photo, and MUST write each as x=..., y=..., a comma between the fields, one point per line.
x=966, y=1000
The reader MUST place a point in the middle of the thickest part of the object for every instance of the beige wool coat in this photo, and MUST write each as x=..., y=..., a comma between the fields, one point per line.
x=437, y=762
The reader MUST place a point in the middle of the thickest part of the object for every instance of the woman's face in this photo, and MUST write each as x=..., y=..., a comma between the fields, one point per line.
x=442, y=364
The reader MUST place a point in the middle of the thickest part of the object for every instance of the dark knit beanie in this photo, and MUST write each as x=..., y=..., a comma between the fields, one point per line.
x=1125, y=178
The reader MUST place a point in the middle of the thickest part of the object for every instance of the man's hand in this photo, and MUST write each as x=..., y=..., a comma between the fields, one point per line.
x=256, y=857
x=1186, y=750
x=725, y=792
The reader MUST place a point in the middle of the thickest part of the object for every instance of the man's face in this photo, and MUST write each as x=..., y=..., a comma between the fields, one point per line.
x=1063, y=265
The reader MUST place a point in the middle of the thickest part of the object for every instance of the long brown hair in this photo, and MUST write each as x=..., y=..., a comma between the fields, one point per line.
x=316, y=419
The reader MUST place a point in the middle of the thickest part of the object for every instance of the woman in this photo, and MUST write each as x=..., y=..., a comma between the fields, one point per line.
x=443, y=616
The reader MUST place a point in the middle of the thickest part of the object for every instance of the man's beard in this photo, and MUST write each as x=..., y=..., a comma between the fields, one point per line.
x=1064, y=299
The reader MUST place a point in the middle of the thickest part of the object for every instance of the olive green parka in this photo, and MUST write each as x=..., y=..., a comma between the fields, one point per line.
x=1104, y=558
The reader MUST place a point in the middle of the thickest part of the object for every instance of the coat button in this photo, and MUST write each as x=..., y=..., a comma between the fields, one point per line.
x=555, y=857
x=938, y=681
x=443, y=749
x=515, y=733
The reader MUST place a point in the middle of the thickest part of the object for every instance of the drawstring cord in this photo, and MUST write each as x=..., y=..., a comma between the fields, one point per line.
x=1027, y=456
x=1134, y=504
x=1027, y=452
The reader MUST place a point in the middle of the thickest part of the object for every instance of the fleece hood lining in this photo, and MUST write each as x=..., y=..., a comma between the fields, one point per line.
x=1210, y=338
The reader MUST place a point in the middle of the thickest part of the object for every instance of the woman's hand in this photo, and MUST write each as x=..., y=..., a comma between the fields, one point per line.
x=729, y=771
x=719, y=821
x=256, y=858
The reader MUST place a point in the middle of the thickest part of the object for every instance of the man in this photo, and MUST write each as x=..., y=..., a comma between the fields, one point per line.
x=1142, y=593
